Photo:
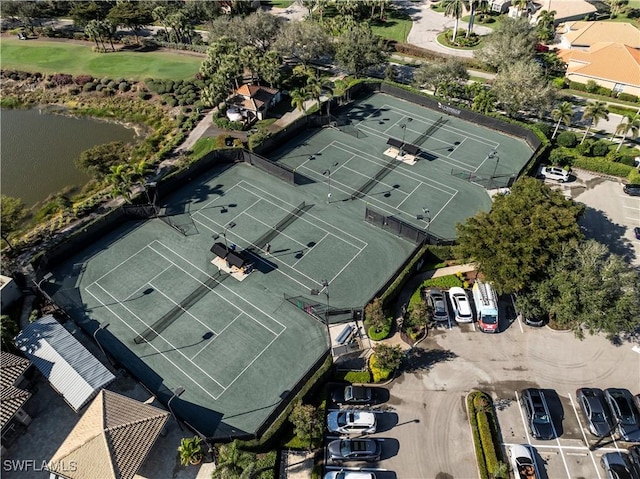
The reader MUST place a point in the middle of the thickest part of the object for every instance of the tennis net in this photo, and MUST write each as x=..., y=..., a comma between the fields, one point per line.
x=261, y=242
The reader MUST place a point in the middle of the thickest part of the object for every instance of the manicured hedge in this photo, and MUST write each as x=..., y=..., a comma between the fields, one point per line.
x=486, y=437
x=485, y=433
x=444, y=282
x=357, y=377
x=602, y=165
x=379, y=374
x=473, y=421
x=384, y=333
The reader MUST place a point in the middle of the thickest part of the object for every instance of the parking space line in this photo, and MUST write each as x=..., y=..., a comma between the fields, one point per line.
x=584, y=436
x=552, y=446
x=524, y=422
x=555, y=434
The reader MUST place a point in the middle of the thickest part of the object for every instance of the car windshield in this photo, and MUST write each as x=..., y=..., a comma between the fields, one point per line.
x=342, y=419
x=439, y=307
x=626, y=415
x=345, y=448
x=490, y=319
x=598, y=417
x=540, y=416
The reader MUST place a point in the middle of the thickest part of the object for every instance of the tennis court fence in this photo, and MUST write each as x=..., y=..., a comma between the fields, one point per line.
x=404, y=229
x=345, y=126
x=323, y=312
x=486, y=182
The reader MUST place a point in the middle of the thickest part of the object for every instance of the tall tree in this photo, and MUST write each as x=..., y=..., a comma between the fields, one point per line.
x=590, y=289
x=522, y=87
x=562, y=113
x=484, y=101
x=514, y=39
x=119, y=178
x=220, y=70
x=629, y=123
x=359, y=49
x=435, y=75
x=455, y=9
x=298, y=98
x=97, y=160
x=388, y=357
x=514, y=242
x=307, y=422
x=594, y=112
x=131, y=15
x=546, y=27
x=473, y=6
x=303, y=41
x=12, y=213
x=269, y=67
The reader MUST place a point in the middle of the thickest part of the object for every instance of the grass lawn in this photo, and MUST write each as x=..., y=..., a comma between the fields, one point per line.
x=60, y=57
x=278, y=3
x=622, y=18
x=397, y=26
x=441, y=39
x=498, y=20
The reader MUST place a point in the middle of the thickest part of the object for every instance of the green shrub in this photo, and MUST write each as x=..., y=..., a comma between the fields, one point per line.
x=602, y=165
x=592, y=86
x=559, y=83
x=567, y=139
x=626, y=160
x=473, y=421
x=378, y=374
x=574, y=85
x=604, y=91
x=562, y=156
x=383, y=333
x=486, y=436
x=545, y=129
x=586, y=148
x=601, y=148
x=628, y=97
x=124, y=86
x=443, y=282
x=633, y=176
x=257, y=138
x=89, y=86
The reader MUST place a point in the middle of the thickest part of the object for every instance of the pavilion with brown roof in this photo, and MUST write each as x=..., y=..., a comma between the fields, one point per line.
x=611, y=65
x=111, y=440
x=254, y=101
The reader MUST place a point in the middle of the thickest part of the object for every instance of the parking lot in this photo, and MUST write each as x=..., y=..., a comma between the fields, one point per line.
x=611, y=214
x=430, y=437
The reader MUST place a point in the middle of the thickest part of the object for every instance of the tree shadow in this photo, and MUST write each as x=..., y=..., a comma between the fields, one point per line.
x=596, y=225
x=423, y=360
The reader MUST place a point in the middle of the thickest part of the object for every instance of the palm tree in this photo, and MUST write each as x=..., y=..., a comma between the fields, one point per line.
x=313, y=88
x=190, y=450
x=298, y=98
x=562, y=113
x=594, y=112
x=521, y=6
x=629, y=123
x=455, y=9
x=234, y=463
x=119, y=178
x=484, y=101
x=474, y=4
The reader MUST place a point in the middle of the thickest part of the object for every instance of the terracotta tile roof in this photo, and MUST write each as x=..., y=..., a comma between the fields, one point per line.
x=590, y=33
x=606, y=61
x=11, y=368
x=112, y=439
x=11, y=399
x=255, y=96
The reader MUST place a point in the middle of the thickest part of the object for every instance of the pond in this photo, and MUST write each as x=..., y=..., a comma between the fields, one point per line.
x=38, y=151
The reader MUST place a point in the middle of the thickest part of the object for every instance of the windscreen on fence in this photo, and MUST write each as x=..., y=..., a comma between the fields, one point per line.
x=278, y=170
x=403, y=229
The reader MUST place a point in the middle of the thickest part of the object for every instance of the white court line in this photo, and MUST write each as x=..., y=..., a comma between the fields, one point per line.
x=311, y=249
x=443, y=206
x=305, y=286
x=153, y=346
x=412, y=192
x=206, y=205
x=148, y=282
x=254, y=360
x=385, y=131
x=119, y=264
x=455, y=147
x=308, y=215
x=380, y=182
x=219, y=285
x=281, y=233
x=345, y=266
x=453, y=129
x=400, y=170
x=178, y=304
x=584, y=436
x=217, y=335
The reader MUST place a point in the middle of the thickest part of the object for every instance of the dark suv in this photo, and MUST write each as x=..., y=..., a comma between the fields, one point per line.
x=438, y=303
x=538, y=417
x=632, y=189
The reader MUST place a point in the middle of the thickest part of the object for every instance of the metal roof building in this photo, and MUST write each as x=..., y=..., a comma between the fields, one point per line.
x=70, y=368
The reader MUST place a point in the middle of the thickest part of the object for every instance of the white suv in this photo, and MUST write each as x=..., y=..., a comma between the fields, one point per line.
x=554, y=173
x=352, y=422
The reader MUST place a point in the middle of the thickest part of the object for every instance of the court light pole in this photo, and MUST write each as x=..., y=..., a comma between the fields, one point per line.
x=230, y=225
x=404, y=131
x=327, y=173
x=95, y=333
x=325, y=290
x=176, y=393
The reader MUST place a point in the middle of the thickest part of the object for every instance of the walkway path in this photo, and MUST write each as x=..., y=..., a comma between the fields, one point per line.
x=410, y=287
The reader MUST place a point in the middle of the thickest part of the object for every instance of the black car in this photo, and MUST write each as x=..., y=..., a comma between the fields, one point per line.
x=341, y=450
x=632, y=189
x=624, y=413
x=617, y=466
x=438, y=303
x=595, y=410
x=636, y=232
x=634, y=457
x=537, y=412
x=354, y=395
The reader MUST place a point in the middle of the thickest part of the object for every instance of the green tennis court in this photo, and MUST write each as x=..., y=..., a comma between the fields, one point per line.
x=238, y=344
